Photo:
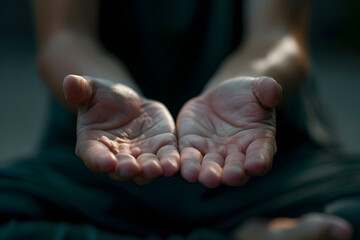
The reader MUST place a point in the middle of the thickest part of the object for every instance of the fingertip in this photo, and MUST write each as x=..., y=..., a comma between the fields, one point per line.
x=149, y=165
x=127, y=166
x=151, y=169
x=234, y=176
x=211, y=176
x=76, y=88
x=105, y=163
x=170, y=166
x=259, y=156
x=190, y=171
x=268, y=91
x=169, y=160
x=256, y=167
x=96, y=157
x=211, y=170
x=190, y=159
x=68, y=87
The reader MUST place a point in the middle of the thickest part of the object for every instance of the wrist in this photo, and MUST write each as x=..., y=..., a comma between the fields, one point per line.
x=285, y=61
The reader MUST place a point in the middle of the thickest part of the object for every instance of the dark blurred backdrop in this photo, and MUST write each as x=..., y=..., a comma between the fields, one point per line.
x=335, y=55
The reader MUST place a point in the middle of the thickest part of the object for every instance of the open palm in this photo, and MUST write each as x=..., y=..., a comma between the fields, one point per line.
x=227, y=134
x=121, y=133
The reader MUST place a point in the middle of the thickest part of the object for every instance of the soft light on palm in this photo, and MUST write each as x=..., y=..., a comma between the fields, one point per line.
x=125, y=135
x=227, y=134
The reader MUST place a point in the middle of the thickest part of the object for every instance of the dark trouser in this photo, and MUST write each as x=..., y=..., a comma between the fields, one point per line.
x=54, y=196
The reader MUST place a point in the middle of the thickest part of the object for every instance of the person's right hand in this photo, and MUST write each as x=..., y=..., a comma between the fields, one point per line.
x=121, y=133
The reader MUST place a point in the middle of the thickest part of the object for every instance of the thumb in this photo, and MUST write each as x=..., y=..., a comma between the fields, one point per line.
x=268, y=91
x=76, y=89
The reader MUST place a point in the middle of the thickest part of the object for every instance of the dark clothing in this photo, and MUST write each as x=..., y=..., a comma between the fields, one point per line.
x=171, y=48
x=56, y=194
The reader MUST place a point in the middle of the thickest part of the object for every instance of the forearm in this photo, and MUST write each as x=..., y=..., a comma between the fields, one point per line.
x=274, y=45
x=73, y=53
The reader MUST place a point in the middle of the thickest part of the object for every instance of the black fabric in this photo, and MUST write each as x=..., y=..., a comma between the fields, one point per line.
x=171, y=47
x=56, y=187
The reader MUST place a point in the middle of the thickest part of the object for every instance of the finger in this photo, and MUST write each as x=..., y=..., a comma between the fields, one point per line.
x=191, y=159
x=268, y=91
x=169, y=159
x=96, y=156
x=127, y=166
x=211, y=170
x=233, y=172
x=150, y=165
x=76, y=89
x=259, y=156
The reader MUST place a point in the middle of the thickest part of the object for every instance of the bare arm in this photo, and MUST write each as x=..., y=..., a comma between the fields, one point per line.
x=68, y=44
x=234, y=138
x=274, y=45
x=113, y=121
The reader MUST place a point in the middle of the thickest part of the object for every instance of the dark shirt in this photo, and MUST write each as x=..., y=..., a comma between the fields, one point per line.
x=172, y=48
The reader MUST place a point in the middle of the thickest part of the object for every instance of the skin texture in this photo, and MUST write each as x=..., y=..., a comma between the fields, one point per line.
x=121, y=133
x=225, y=135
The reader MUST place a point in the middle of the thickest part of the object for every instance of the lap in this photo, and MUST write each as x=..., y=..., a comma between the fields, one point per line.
x=56, y=187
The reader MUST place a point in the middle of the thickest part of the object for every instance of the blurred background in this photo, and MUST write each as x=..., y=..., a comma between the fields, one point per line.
x=334, y=49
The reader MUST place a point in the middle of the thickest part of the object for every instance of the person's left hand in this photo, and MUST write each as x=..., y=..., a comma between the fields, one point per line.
x=227, y=134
